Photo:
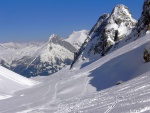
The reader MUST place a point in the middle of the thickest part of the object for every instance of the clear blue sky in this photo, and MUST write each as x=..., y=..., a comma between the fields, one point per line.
x=36, y=20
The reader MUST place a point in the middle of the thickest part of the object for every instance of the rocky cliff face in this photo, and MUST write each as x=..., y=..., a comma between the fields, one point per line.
x=143, y=24
x=33, y=59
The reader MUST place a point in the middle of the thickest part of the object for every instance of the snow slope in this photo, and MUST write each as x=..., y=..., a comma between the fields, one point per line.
x=11, y=82
x=81, y=88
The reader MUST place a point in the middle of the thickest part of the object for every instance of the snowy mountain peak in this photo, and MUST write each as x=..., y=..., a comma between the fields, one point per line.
x=108, y=31
x=113, y=28
x=77, y=38
x=121, y=12
x=119, y=7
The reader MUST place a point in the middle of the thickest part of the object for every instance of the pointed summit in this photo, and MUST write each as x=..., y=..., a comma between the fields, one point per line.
x=121, y=13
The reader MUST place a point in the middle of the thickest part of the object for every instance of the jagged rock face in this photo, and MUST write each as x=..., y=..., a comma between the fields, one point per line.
x=33, y=59
x=143, y=24
x=117, y=26
x=120, y=21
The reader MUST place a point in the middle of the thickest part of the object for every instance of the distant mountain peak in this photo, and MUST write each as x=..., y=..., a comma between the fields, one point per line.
x=33, y=59
x=52, y=37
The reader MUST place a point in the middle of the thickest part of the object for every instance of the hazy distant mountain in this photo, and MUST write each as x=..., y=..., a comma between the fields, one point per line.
x=32, y=59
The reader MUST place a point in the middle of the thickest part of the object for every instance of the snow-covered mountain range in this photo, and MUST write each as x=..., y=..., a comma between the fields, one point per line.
x=91, y=85
x=80, y=89
x=33, y=59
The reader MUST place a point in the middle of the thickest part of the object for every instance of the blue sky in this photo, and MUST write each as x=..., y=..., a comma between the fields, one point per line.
x=36, y=20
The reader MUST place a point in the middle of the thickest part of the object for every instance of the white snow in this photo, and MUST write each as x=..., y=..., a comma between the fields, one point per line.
x=11, y=82
x=2, y=97
x=123, y=30
x=81, y=88
x=58, y=51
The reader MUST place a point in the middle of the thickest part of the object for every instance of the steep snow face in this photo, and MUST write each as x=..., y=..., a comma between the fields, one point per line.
x=32, y=59
x=108, y=31
x=11, y=82
x=77, y=38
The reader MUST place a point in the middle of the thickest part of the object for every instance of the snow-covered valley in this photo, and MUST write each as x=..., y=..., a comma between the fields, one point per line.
x=80, y=89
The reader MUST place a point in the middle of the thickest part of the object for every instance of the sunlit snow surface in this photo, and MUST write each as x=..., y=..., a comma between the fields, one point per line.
x=82, y=89
x=11, y=82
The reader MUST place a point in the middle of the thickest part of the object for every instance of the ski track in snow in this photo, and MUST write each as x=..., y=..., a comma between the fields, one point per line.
x=101, y=98
x=85, y=86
